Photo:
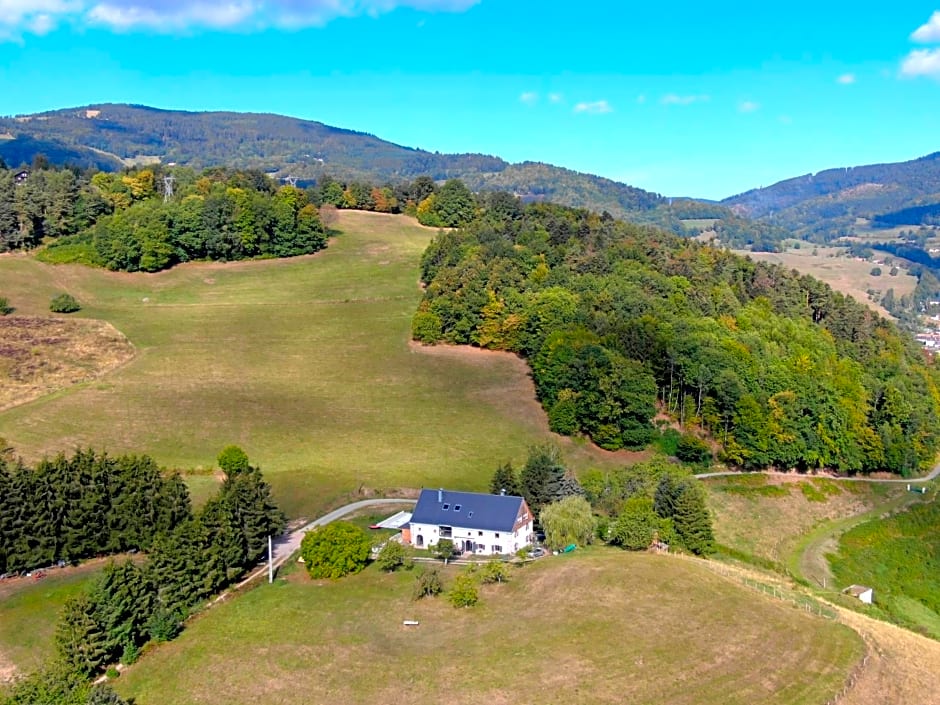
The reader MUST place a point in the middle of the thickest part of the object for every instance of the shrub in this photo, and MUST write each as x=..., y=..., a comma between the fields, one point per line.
x=692, y=449
x=426, y=327
x=64, y=303
x=464, y=592
x=494, y=572
x=391, y=557
x=335, y=550
x=427, y=584
x=876, y=271
x=164, y=625
x=130, y=654
x=112, y=673
x=444, y=549
x=5, y=308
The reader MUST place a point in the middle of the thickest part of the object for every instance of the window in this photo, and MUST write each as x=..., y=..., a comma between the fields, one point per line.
x=446, y=532
x=497, y=549
x=456, y=507
x=479, y=533
x=497, y=535
x=446, y=506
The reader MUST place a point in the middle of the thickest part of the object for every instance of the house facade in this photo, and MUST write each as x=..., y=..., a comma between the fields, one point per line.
x=483, y=524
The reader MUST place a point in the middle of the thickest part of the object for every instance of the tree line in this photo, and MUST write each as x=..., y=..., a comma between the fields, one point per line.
x=620, y=322
x=89, y=504
x=133, y=222
x=133, y=602
x=631, y=507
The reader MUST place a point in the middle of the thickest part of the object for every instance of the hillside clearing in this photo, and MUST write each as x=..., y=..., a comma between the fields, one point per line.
x=849, y=275
x=668, y=631
x=304, y=362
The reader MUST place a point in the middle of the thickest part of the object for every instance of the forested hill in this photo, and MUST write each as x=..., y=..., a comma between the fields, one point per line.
x=109, y=136
x=620, y=322
x=824, y=206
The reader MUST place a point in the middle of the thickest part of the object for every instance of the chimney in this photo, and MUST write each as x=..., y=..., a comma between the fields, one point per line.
x=440, y=495
x=502, y=492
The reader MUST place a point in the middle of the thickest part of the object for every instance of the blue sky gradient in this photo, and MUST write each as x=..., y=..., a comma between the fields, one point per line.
x=689, y=98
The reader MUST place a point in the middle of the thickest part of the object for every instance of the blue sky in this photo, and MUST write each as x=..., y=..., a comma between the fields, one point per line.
x=684, y=98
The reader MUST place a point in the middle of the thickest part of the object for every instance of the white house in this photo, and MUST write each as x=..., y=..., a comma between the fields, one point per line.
x=862, y=592
x=485, y=524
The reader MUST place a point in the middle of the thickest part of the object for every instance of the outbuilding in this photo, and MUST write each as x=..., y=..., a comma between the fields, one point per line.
x=862, y=592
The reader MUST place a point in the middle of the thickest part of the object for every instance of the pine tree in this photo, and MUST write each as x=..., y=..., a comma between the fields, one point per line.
x=505, y=480
x=692, y=521
x=80, y=639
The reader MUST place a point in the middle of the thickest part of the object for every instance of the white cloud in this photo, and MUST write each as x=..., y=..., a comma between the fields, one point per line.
x=786, y=119
x=597, y=107
x=39, y=16
x=641, y=99
x=529, y=98
x=929, y=32
x=674, y=99
x=846, y=79
x=922, y=62
x=555, y=97
x=748, y=106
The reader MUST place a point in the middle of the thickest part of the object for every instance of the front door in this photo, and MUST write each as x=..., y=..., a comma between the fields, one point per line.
x=468, y=546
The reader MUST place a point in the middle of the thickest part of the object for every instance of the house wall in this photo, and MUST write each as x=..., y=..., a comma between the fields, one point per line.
x=486, y=543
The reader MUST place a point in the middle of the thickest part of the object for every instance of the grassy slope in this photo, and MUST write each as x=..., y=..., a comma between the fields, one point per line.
x=597, y=626
x=768, y=516
x=29, y=610
x=304, y=362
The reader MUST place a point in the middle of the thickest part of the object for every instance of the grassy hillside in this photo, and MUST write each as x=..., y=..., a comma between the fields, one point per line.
x=766, y=516
x=304, y=362
x=602, y=627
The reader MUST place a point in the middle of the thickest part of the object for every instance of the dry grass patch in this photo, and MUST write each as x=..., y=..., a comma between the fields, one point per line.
x=846, y=274
x=767, y=515
x=901, y=668
x=39, y=356
x=599, y=626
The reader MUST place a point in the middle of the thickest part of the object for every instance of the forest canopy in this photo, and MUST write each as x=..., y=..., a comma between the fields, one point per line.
x=620, y=322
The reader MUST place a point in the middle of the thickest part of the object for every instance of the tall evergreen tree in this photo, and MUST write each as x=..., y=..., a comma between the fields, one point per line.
x=505, y=480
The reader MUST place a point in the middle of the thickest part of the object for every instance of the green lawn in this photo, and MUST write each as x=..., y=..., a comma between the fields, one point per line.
x=599, y=626
x=30, y=609
x=305, y=363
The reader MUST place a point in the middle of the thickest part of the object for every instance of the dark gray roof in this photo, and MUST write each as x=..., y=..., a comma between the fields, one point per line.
x=471, y=510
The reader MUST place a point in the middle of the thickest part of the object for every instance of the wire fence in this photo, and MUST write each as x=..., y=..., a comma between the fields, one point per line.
x=799, y=600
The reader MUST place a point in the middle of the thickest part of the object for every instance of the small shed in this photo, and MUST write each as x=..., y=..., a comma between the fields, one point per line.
x=862, y=592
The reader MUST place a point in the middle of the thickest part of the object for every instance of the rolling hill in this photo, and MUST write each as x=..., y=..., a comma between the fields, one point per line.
x=110, y=136
x=825, y=206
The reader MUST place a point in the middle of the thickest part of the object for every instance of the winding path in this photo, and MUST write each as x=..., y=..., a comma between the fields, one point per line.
x=287, y=544
x=899, y=480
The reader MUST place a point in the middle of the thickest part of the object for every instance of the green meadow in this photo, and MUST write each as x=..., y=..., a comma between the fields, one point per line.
x=305, y=363
x=598, y=626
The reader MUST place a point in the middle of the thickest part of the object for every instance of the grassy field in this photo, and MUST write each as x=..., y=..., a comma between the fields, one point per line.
x=767, y=516
x=29, y=610
x=599, y=626
x=846, y=274
x=306, y=363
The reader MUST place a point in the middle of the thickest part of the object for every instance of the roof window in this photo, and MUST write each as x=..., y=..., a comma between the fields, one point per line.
x=446, y=506
x=456, y=507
